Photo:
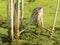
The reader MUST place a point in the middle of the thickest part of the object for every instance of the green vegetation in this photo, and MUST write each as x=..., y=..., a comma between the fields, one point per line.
x=29, y=37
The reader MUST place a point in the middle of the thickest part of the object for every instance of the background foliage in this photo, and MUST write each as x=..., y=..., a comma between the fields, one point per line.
x=30, y=37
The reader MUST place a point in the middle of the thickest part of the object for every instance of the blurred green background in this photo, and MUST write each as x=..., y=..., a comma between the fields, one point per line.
x=29, y=37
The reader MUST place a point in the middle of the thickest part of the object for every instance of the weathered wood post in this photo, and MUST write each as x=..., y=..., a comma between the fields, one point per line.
x=17, y=19
x=10, y=14
x=54, y=21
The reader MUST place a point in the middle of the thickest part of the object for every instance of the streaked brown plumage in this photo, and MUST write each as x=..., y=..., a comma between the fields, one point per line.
x=38, y=12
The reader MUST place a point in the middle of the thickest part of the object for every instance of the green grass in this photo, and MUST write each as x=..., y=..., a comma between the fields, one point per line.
x=29, y=37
